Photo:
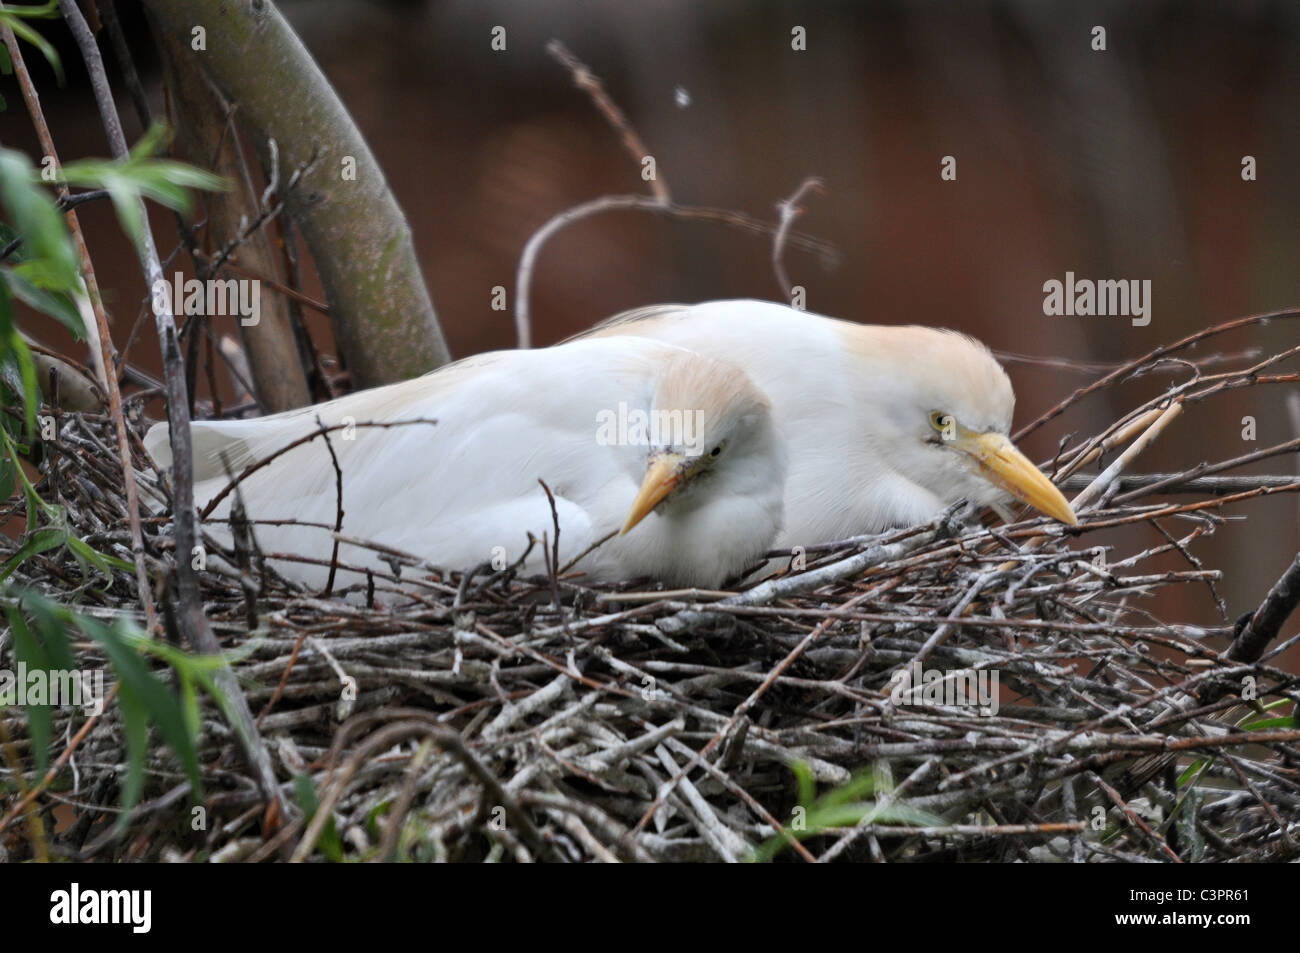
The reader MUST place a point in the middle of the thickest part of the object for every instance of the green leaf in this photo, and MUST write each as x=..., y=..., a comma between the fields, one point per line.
x=12, y=18
x=32, y=655
x=155, y=138
x=161, y=180
x=841, y=807
x=1285, y=721
x=135, y=724
x=7, y=480
x=374, y=814
x=804, y=779
x=27, y=282
x=852, y=790
x=86, y=554
x=165, y=181
x=11, y=376
x=126, y=202
x=49, y=11
x=11, y=342
x=42, y=647
x=190, y=704
x=42, y=540
x=27, y=370
x=1192, y=771
x=138, y=686
x=144, y=698
x=35, y=505
x=8, y=233
x=52, y=626
x=305, y=792
x=34, y=215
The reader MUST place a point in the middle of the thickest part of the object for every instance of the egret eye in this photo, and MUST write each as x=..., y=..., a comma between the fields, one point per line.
x=716, y=450
x=940, y=421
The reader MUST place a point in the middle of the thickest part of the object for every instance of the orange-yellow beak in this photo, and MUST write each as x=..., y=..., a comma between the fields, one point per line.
x=1005, y=466
x=664, y=475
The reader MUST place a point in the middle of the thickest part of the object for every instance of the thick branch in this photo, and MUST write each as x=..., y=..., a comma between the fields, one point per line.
x=1266, y=622
x=384, y=322
x=202, y=117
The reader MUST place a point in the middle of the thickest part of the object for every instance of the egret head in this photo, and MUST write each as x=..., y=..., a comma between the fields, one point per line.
x=949, y=405
x=711, y=441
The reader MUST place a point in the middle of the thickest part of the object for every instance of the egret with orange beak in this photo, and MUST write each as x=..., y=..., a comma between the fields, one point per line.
x=446, y=468
x=884, y=425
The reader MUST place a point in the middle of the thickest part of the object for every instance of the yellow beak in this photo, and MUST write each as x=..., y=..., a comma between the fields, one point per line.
x=664, y=475
x=1005, y=466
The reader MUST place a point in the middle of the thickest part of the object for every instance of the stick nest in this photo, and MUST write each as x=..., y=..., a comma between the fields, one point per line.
x=481, y=720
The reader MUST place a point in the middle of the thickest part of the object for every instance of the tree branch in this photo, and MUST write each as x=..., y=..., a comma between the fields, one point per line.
x=97, y=332
x=1264, y=624
x=384, y=323
x=203, y=117
x=189, y=603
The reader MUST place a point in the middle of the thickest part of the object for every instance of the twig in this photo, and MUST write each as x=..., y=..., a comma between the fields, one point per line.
x=659, y=201
x=306, y=438
x=553, y=559
x=790, y=209
x=1264, y=624
x=1102, y=482
x=100, y=331
x=1135, y=820
x=58, y=765
x=338, y=496
x=1151, y=356
x=589, y=82
x=1137, y=485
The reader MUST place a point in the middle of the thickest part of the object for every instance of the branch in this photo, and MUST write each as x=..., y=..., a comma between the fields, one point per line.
x=1141, y=484
x=203, y=118
x=189, y=602
x=659, y=201
x=790, y=209
x=586, y=80
x=637, y=203
x=1124, y=370
x=97, y=332
x=384, y=322
x=1264, y=624
x=338, y=508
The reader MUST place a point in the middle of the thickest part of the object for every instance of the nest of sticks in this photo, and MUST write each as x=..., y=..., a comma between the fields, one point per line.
x=493, y=716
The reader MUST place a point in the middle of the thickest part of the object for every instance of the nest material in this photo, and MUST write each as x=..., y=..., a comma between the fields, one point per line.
x=481, y=720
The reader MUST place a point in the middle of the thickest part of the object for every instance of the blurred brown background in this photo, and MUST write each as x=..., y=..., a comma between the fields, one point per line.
x=1117, y=164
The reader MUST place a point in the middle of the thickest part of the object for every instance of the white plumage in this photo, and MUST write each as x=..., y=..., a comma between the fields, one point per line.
x=465, y=490
x=884, y=425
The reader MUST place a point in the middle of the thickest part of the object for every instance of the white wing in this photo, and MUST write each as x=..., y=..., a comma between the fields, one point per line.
x=457, y=492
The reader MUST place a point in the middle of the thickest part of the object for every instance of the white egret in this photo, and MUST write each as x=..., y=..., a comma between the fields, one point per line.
x=884, y=425
x=675, y=450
